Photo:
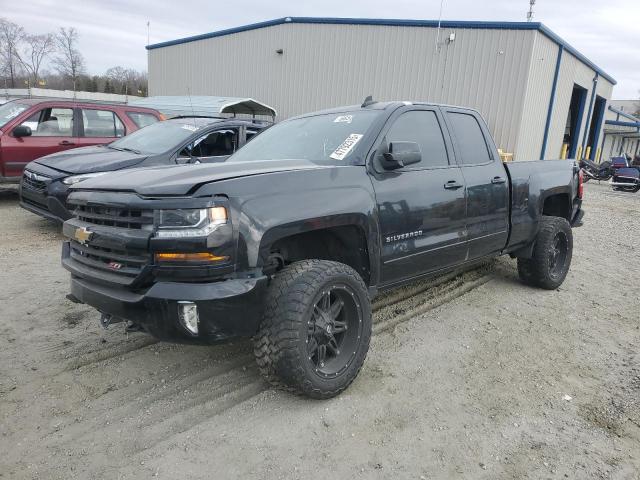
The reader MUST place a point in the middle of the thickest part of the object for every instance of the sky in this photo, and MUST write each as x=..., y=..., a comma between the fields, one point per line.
x=114, y=32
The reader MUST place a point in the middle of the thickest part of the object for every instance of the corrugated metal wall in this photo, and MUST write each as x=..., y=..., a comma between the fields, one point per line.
x=572, y=71
x=330, y=65
x=505, y=74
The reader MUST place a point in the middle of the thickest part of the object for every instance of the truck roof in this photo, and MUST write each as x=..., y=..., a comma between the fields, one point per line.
x=381, y=106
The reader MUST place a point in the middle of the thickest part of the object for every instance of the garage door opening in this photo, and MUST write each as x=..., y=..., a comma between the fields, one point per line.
x=594, y=128
x=574, y=119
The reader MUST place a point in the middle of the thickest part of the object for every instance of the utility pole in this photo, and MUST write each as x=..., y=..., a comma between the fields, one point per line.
x=530, y=12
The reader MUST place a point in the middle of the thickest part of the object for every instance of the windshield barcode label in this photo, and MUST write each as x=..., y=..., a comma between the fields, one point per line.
x=346, y=146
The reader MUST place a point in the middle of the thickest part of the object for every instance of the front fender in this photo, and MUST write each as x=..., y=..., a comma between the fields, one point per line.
x=266, y=208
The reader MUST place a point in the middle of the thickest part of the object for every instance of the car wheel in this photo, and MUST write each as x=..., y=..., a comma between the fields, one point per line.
x=316, y=328
x=548, y=266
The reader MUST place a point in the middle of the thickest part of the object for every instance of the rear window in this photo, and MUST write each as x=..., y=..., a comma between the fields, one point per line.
x=471, y=143
x=142, y=119
x=101, y=123
x=11, y=110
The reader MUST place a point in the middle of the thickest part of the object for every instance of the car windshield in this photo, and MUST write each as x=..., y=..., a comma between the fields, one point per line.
x=11, y=110
x=326, y=138
x=157, y=138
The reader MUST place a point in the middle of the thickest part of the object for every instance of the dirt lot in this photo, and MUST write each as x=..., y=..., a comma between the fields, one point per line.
x=472, y=376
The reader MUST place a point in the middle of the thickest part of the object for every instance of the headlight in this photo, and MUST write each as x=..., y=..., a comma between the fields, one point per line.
x=192, y=222
x=79, y=178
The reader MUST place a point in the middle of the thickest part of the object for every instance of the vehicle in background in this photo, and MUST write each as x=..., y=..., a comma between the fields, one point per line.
x=33, y=128
x=45, y=182
x=596, y=171
x=626, y=175
x=290, y=238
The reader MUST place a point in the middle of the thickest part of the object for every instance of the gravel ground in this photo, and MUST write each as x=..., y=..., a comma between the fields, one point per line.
x=470, y=376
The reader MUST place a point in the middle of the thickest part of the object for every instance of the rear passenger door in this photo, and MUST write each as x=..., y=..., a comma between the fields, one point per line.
x=421, y=207
x=99, y=126
x=486, y=182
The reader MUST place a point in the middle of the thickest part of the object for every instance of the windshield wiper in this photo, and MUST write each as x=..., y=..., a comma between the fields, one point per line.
x=126, y=149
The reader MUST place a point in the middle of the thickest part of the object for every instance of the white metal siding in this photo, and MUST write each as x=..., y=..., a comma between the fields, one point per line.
x=536, y=103
x=507, y=75
x=331, y=65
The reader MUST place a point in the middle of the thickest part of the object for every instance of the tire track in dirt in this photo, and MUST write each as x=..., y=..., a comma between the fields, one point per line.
x=153, y=414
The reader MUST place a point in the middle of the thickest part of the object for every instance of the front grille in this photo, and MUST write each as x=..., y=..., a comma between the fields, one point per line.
x=120, y=262
x=34, y=182
x=136, y=219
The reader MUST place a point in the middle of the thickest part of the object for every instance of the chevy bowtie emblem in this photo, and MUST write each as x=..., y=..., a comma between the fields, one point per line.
x=82, y=235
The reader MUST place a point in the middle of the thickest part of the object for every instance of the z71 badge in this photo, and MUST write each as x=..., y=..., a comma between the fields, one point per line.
x=402, y=236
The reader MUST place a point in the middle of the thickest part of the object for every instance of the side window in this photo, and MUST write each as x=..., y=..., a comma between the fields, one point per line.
x=142, y=119
x=422, y=127
x=471, y=143
x=51, y=122
x=101, y=123
x=215, y=144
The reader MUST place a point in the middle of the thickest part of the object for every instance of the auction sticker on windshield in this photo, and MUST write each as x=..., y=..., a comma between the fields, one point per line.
x=346, y=146
x=344, y=119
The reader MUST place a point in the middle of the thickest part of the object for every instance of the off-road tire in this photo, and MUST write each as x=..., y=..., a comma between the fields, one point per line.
x=280, y=346
x=537, y=270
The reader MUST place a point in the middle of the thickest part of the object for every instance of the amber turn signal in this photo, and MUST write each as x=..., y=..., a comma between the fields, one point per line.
x=189, y=257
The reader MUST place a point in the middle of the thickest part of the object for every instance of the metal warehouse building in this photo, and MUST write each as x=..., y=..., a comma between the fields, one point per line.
x=540, y=96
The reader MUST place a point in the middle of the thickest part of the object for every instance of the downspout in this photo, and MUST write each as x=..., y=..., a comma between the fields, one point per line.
x=552, y=100
x=588, y=123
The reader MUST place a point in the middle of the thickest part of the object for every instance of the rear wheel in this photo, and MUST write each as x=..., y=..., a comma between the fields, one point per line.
x=548, y=266
x=316, y=329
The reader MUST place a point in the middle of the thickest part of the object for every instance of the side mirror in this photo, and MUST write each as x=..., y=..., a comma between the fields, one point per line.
x=400, y=155
x=22, y=131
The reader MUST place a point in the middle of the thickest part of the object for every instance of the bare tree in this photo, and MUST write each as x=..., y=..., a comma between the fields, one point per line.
x=10, y=37
x=36, y=48
x=69, y=63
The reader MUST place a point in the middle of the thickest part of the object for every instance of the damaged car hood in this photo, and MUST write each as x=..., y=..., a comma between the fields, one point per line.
x=185, y=179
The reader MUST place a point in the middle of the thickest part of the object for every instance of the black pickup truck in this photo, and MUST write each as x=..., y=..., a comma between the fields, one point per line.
x=290, y=238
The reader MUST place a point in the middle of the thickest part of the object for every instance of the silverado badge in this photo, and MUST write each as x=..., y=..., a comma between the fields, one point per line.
x=82, y=235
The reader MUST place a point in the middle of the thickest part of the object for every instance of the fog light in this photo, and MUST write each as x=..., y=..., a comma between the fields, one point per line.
x=188, y=316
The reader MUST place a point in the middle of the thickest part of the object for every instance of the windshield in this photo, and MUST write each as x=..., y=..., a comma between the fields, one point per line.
x=157, y=138
x=11, y=110
x=328, y=138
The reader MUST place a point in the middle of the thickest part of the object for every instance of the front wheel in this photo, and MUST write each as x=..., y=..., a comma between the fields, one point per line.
x=548, y=266
x=316, y=329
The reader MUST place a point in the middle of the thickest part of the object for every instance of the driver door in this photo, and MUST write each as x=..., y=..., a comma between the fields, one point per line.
x=53, y=130
x=212, y=147
x=421, y=207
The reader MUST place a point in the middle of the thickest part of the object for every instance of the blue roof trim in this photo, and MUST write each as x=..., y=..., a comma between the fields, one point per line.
x=623, y=113
x=394, y=23
x=623, y=124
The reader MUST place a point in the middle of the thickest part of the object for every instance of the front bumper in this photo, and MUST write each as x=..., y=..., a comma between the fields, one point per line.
x=49, y=203
x=226, y=309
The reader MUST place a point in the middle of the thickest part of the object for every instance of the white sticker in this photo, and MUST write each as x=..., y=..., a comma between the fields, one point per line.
x=346, y=146
x=344, y=119
x=191, y=128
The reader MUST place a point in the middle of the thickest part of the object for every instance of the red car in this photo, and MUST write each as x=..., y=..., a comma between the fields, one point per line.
x=31, y=128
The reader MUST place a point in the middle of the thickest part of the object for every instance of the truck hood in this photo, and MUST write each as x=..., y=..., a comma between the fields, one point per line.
x=90, y=160
x=184, y=179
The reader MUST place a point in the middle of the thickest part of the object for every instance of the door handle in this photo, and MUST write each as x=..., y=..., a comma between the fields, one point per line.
x=452, y=185
x=498, y=180
x=66, y=142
